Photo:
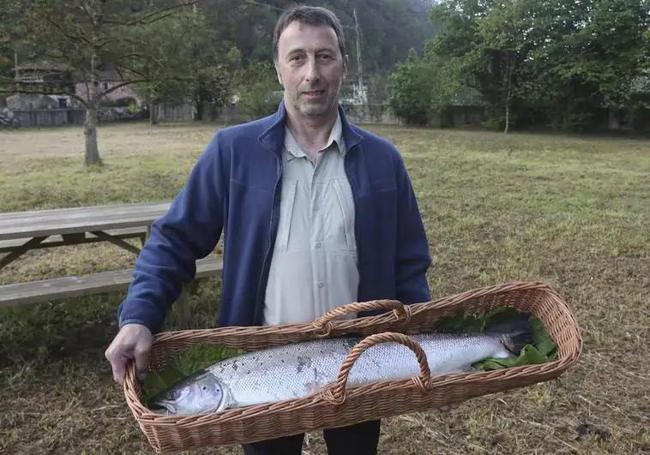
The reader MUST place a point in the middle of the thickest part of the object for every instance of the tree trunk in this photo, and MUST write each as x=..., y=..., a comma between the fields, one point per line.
x=508, y=92
x=153, y=114
x=199, y=111
x=90, y=125
x=90, y=131
x=613, y=123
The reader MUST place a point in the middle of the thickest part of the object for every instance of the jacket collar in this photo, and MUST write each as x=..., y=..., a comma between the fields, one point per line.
x=272, y=138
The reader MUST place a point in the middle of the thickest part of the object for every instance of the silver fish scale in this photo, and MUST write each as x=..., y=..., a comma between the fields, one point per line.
x=298, y=370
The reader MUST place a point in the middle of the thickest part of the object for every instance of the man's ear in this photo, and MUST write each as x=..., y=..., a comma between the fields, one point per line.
x=277, y=73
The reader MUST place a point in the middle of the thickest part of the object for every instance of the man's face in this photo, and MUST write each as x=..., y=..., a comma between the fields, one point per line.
x=311, y=68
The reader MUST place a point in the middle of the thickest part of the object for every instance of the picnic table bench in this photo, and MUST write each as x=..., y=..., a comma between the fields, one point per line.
x=21, y=232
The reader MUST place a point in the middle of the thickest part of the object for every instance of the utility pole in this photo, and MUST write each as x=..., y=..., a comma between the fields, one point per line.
x=16, y=68
x=358, y=39
x=361, y=93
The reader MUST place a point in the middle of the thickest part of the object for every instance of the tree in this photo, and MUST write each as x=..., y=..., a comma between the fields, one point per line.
x=258, y=89
x=9, y=35
x=494, y=40
x=570, y=58
x=422, y=87
x=185, y=63
x=593, y=62
x=90, y=36
x=504, y=47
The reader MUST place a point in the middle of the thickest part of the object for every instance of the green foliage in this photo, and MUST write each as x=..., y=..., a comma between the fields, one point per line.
x=410, y=91
x=181, y=365
x=422, y=87
x=258, y=90
x=569, y=58
x=389, y=28
x=10, y=38
x=541, y=350
x=184, y=62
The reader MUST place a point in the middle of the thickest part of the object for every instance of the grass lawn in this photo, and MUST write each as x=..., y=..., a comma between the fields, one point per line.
x=571, y=211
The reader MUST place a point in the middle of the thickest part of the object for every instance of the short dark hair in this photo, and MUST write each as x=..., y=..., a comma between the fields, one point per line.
x=310, y=15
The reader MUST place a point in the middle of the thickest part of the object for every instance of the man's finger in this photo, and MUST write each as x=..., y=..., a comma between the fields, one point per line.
x=133, y=341
x=141, y=353
x=118, y=365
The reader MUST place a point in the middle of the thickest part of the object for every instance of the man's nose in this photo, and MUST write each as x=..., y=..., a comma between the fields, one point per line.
x=312, y=71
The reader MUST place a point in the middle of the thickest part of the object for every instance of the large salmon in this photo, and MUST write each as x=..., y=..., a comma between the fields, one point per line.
x=300, y=369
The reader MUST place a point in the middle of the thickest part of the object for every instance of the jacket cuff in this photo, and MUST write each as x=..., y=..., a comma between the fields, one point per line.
x=141, y=312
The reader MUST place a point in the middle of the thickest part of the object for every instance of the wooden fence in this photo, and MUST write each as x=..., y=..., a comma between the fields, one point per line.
x=49, y=117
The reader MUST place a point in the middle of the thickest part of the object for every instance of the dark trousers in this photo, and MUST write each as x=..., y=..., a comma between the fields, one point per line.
x=359, y=439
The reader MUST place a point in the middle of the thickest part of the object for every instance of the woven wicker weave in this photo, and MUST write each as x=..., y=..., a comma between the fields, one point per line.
x=337, y=405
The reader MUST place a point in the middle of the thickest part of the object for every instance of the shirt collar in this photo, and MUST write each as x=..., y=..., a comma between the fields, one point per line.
x=295, y=151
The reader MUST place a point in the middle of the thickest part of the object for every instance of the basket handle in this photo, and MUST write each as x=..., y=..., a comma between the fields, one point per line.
x=335, y=394
x=324, y=323
x=130, y=385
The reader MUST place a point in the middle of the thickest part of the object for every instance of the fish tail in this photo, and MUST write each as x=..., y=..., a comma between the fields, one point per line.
x=514, y=333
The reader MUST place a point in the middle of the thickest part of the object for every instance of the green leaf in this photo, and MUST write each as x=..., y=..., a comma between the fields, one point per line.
x=529, y=356
x=541, y=339
x=158, y=381
x=542, y=350
x=179, y=366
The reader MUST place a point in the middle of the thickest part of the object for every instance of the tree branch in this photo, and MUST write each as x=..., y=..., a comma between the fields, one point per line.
x=120, y=85
x=22, y=91
x=152, y=17
x=66, y=34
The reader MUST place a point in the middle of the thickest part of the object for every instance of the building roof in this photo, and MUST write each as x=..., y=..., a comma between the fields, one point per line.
x=43, y=66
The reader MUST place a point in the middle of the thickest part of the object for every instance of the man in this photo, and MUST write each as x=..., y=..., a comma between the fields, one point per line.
x=316, y=213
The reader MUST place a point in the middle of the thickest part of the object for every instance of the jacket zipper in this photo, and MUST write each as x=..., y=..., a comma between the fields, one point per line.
x=273, y=227
x=355, y=199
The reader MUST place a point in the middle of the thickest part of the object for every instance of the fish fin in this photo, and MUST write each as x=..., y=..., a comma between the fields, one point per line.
x=514, y=333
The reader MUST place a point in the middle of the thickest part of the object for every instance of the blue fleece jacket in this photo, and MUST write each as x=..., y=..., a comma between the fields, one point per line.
x=234, y=188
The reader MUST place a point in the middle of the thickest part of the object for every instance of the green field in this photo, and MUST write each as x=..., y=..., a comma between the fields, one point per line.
x=571, y=211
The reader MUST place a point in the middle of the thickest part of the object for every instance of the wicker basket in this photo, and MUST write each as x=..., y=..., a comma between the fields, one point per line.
x=337, y=406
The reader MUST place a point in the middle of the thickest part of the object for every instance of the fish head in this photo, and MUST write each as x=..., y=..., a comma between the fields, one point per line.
x=199, y=393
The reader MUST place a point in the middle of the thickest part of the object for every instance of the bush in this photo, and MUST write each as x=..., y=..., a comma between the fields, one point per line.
x=422, y=87
x=258, y=90
x=410, y=91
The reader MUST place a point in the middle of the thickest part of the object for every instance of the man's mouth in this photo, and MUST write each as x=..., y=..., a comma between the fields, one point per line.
x=313, y=93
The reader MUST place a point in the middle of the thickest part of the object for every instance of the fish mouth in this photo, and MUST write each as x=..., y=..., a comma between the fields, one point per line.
x=163, y=407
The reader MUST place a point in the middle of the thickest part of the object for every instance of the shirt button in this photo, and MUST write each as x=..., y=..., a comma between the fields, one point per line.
x=318, y=245
x=321, y=285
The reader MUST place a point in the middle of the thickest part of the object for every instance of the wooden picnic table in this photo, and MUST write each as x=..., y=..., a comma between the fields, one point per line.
x=21, y=232
x=24, y=231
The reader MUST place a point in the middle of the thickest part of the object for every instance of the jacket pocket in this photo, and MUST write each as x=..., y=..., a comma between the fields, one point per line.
x=346, y=207
x=287, y=203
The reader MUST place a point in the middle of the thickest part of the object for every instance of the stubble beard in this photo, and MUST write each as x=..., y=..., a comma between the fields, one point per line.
x=314, y=109
x=317, y=109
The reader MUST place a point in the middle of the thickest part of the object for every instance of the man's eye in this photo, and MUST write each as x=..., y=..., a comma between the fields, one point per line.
x=295, y=58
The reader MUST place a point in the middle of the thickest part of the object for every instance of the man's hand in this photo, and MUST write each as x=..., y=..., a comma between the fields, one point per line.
x=133, y=341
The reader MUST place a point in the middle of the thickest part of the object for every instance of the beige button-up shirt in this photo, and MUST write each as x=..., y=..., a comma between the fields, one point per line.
x=314, y=264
